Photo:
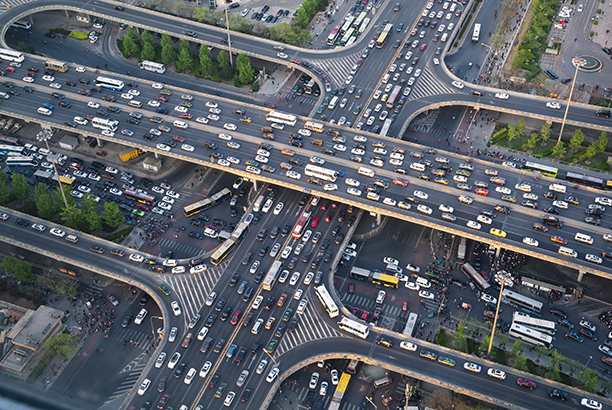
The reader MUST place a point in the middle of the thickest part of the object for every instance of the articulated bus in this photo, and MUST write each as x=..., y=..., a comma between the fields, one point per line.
x=12, y=148
x=140, y=196
x=393, y=96
x=301, y=223
x=321, y=173
x=522, y=302
x=339, y=393
x=110, y=83
x=105, y=124
x=476, y=34
x=410, y=324
x=222, y=251
x=530, y=335
x=240, y=232
x=327, y=301
x=313, y=126
x=56, y=66
x=354, y=327
x=540, y=169
x=382, y=39
x=386, y=126
x=585, y=180
x=207, y=203
x=11, y=55
x=22, y=24
x=272, y=275
x=545, y=326
x=152, y=66
x=280, y=118
x=472, y=274
x=331, y=39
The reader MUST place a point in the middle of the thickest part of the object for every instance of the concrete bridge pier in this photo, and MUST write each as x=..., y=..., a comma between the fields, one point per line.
x=581, y=275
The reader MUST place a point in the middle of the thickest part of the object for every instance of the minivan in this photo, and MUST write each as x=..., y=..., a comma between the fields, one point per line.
x=422, y=282
x=366, y=171
x=568, y=252
x=257, y=326
x=44, y=111
x=599, y=113
x=381, y=297
x=393, y=269
x=385, y=79
x=557, y=188
x=134, y=103
x=417, y=167
x=580, y=237
x=72, y=238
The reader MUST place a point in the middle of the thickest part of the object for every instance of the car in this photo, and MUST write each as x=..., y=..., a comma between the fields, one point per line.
x=526, y=383
x=458, y=84
x=496, y=373
x=472, y=367
x=591, y=404
x=502, y=96
x=176, y=309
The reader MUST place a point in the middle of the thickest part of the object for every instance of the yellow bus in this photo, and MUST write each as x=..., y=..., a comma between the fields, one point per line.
x=56, y=66
x=313, y=126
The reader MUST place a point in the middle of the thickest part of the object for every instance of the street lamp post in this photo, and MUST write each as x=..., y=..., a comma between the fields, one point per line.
x=578, y=62
x=153, y=327
x=588, y=361
x=45, y=135
x=501, y=290
x=229, y=40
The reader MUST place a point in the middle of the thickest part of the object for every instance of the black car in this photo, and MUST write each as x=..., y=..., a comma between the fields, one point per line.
x=127, y=321
x=560, y=394
x=264, y=250
x=550, y=195
x=588, y=333
x=84, y=81
x=259, y=276
x=85, y=92
x=303, y=201
x=179, y=370
x=551, y=210
x=234, y=280
x=558, y=312
x=269, y=303
x=197, y=235
x=597, y=213
x=592, y=220
x=226, y=313
x=286, y=230
x=28, y=89
x=247, y=258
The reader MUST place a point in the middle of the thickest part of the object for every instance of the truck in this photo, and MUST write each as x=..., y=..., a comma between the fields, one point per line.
x=129, y=153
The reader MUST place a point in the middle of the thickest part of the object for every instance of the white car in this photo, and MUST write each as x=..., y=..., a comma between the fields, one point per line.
x=127, y=96
x=560, y=204
x=484, y=219
x=497, y=373
x=214, y=111
x=80, y=69
x=465, y=199
x=258, y=158
x=390, y=261
x=348, y=80
x=425, y=209
x=134, y=91
x=163, y=147
x=257, y=302
x=225, y=136
x=503, y=190
x=412, y=286
x=55, y=85
x=57, y=232
x=229, y=126
x=323, y=389
x=473, y=225
x=93, y=104
x=282, y=55
x=413, y=268
x=314, y=380
x=354, y=191
x=446, y=208
x=187, y=147
x=235, y=145
x=153, y=103
x=278, y=208
x=93, y=39
x=157, y=86
x=421, y=194
x=340, y=147
x=591, y=404
x=523, y=187
x=294, y=278
x=180, y=108
x=48, y=78
x=28, y=79
x=202, y=120
x=554, y=105
x=408, y=346
x=205, y=369
x=529, y=195
x=286, y=253
x=530, y=241
x=175, y=308
x=588, y=325
x=233, y=160
x=160, y=360
x=272, y=375
x=164, y=206
x=172, y=337
x=352, y=182
x=502, y=96
x=458, y=84
x=330, y=187
x=426, y=295
x=144, y=386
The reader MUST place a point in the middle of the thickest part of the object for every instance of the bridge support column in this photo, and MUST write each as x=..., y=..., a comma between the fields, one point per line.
x=255, y=185
x=100, y=143
x=497, y=253
x=67, y=15
x=378, y=219
x=580, y=275
x=156, y=155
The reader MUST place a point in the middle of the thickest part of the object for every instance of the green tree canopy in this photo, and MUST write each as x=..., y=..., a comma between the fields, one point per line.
x=521, y=126
x=21, y=188
x=206, y=64
x=185, y=57
x=577, y=139
x=5, y=192
x=225, y=69
x=558, y=150
x=146, y=37
x=166, y=40
x=130, y=45
x=545, y=132
x=168, y=54
x=45, y=203
x=245, y=70
x=148, y=52
x=112, y=216
x=512, y=132
x=602, y=143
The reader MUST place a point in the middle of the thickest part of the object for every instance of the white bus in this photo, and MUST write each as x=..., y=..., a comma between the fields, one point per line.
x=522, y=302
x=280, y=118
x=11, y=55
x=347, y=36
x=152, y=66
x=364, y=25
x=327, y=301
x=545, y=326
x=386, y=126
x=476, y=34
x=531, y=336
x=321, y=173
x=410, y=324
x=11, y=148
x=270, y=279
x=110, y=83
x=20, y=161
x=105, y=124
x=354, y=327
x=22, y=24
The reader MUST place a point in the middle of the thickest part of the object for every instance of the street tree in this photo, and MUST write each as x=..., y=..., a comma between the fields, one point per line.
x=545, y=132
x=602, y=142
x=589, y=379
x=459, y=337
x=21, y=188
x=517, y=347
x=148, y=52
x=63, y=287
x=206, y=64
x=591, y=150
x=45, y=203
x=9, y=264
x=4, y=178
x=577, y=139
x=532, y=141
x=571, y=365
x=512, y=132
x=23, y=272
x=59, y=199
x=540, y=350
x=5, y=193
x=181, y=9
x=245, y=70
x=166, y=40
x=168, y=54
x=185, y=57
x=521, y=126
x=146, y=37
x=520, y=362
x=90, y=209
x=112, y=216
x=130, y=46
x=225, y=69
x=73, y=217
x=63, y=345
x=558, y=150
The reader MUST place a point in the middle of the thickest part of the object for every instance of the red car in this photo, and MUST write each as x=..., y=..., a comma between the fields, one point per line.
x=30, y=74
x=88, y=117
x=10, y=69
x=482, y=191
x=423, y=47
x=161, y=98
x=324, y=207
x=281, y=300
x=76, y=165
x=328, y=217
x=187, y=340
x=334, y=205
x=351, y=288
x=526, y=383
x=405, y=306
x=178, y=139
x=142, y=206
x=315, y=222
x=400, y=182
x=365, y=315
x=236, y=317
x=162, y=402
x=558, y=239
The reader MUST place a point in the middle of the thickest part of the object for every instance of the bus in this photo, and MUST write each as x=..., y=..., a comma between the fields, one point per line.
x=207, y=203
x=313, y=126
x=240, y=232
x=272, y=275
x=331, y=39
x=301, y=223
x=461, y=249
x=364, y=26
x=386, y=126
x=21, y=161
x=351, y=41
x=354, y=327
x=327, y=301
x=393, y=96
x=222, y=251
x=12, y=148
x=348, y=22
x=347, y=36
x=383, y=279
x=411, y=324
x=280, y=118
x=11, y=55
x=258, y=203
x=9, y=140
x=56, y=66
x=339, y=393
x=64, y=179
x=110, y=83
x=140, y=196
x=544, y=326
x=321, y=173
x=43, y=176
x=540, y=169
x=585, y=180
x=522, y=302
x=382, y=39
x=359, y=20
x=152, y=66
x=476, y=34
x=531, y=336
x=22, y=24
x=105, y=124
x=308, y=88
x=472, y=274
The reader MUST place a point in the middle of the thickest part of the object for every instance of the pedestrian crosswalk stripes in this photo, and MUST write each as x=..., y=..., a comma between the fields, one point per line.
x=337, y=69
x=427, y=85
x=179, y=248
x=136, y=338
x=6, y=4
x=367, y=303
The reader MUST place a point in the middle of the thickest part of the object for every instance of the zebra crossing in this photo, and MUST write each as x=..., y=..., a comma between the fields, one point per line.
x=180, y=248
x=427, y=85
x=337, y=69
x=192, y=290
x=133, y=370
x=6, y=4
x=309, y=328
x=369, y=304
x=132, y=335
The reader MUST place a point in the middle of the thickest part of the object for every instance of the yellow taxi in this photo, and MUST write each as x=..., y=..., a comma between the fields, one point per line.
x=497, y=232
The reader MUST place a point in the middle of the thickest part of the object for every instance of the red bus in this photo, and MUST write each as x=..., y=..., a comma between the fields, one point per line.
x=9, y=140
x=301, y=223
x=393, y=96
x=472, y=274
x=140, y=196
x=331, y=39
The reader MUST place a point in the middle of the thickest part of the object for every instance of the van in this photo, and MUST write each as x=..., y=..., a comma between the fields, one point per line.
x=373, y=196
x=44, y=111
x=552, y=220
x=267, y=129
x=257, y=326
x=366, y=171
x=180, y=124
x=580, y=237
x=593, y=258
x=211, y=233
x=557, y=188
x=394, y=269
x=333, y=102
x=134, y=103
x=170, y=262
x=44, y=151
x=385, y=79
x=422, y=282
x=568, y=252
x=381, y=297
x=72, y=238
x=417, y=167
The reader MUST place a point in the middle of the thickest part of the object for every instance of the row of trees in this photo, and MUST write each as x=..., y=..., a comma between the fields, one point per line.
x=308, y=10
x=20, y=270
x=49, y=205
